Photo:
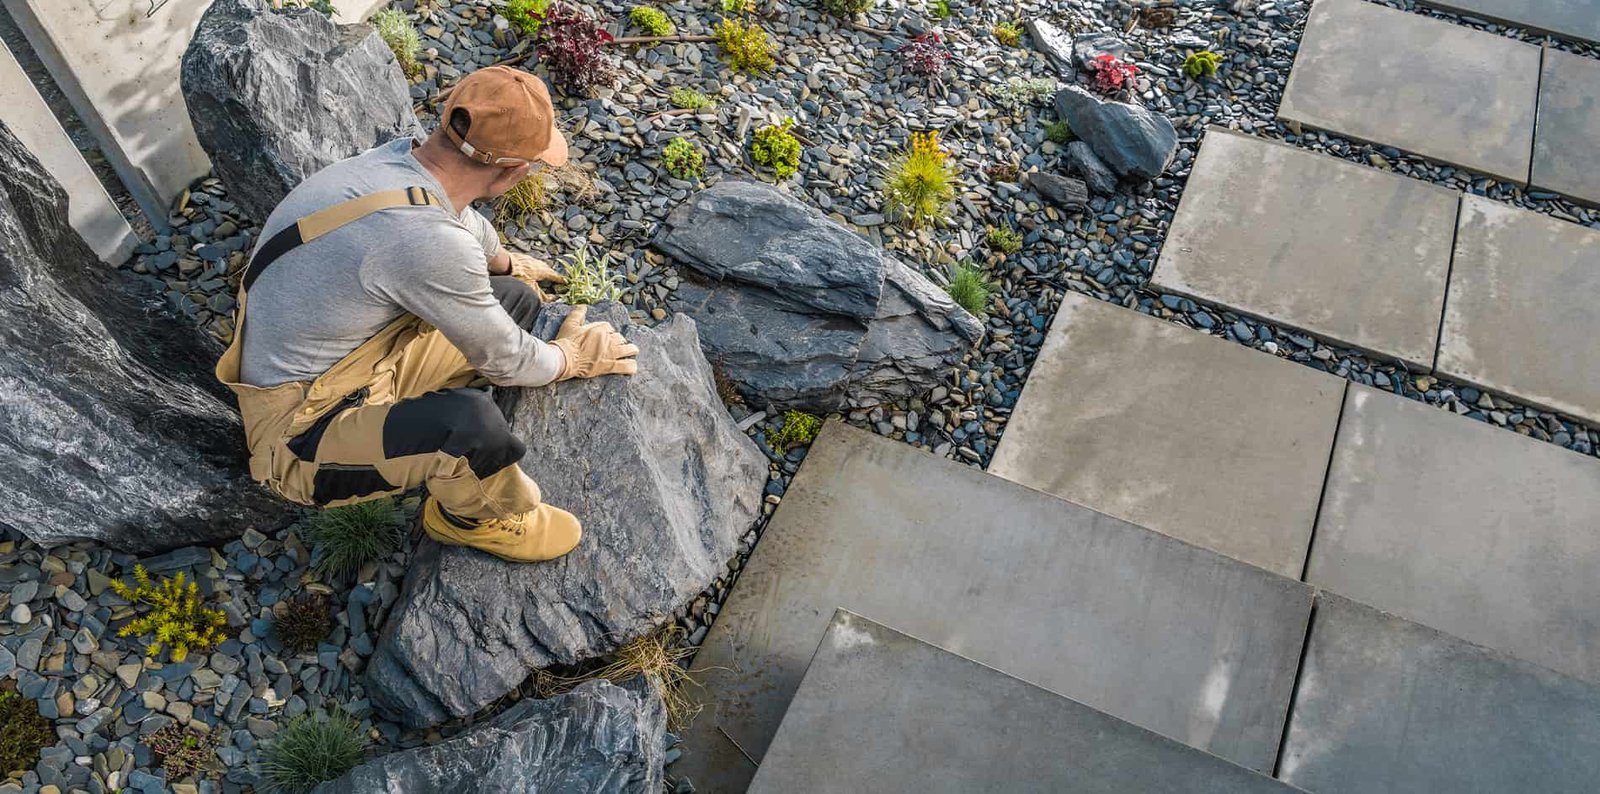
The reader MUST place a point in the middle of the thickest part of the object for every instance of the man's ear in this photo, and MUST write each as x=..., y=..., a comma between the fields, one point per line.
x=508, y=178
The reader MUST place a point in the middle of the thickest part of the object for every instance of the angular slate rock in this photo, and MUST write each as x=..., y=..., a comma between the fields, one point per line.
x=111, y=424
x=1066, y=192
x=1088, y=46
x=800, y=312
x=597, y=738
x=1081, y=160
x=1054, y=43
x=1135, y=142
x=664, y=483
x=275, y=96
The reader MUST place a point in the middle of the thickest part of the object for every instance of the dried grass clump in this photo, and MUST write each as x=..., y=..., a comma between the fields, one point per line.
x=658, y=657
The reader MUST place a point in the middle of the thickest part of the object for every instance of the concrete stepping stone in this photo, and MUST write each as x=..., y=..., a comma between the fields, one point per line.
x=1566, y=139
x=1350, y=253
x=1151, y=630
x=1385, y=704
x=1521, y=317
x=884, y=712
x=1470, y=529
x=1420, y=84
x=1176, y=431
x=1573, y=19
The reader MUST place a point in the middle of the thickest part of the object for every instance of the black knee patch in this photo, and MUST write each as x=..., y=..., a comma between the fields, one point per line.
x=346, y=481
x=519, y=299
x=462, y=423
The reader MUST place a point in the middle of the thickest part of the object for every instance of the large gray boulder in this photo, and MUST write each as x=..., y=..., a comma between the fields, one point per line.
x=276, y=96
x=1136, y=142
x=796, y=309
x=664, y=483
x=599, y=739
x=111, y=424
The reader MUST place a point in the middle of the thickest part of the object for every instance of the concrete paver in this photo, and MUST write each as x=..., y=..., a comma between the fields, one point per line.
x=1350, y=253
x=1573, y=19
x=1162, y=634
x=1521, y=312
x=1467, y=528
x=1385, y=704
x=1566, y=138
x=1176, y=431
x=884, y=712
x=1424, y=85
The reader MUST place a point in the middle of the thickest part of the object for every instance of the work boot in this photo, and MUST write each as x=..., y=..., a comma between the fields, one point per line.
x=543, y=533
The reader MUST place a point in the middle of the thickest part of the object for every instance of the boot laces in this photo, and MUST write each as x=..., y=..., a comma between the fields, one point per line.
x=505, y=525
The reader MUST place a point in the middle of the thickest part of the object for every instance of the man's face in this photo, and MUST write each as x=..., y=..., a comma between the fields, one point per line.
x=510, y=176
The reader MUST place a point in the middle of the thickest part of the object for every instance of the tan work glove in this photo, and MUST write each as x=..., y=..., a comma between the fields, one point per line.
x=593, y=349
x=531, y=271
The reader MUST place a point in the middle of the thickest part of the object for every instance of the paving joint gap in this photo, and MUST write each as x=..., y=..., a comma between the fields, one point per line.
x=1449, y=271
x=1294, y=691
x=1533, y=140
x=1327, y=474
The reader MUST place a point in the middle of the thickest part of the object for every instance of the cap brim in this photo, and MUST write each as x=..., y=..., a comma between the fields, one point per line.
x=556, y=154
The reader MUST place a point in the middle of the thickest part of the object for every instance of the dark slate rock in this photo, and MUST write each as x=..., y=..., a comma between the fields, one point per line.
x=1081, y=160
x=275, y=96
x=599, y=738
x=111, y=424
x=1066, y=192
x=664, y=483
x=790, y=304
x=1088, y=46
x=1054, y=43
x=1134, y=141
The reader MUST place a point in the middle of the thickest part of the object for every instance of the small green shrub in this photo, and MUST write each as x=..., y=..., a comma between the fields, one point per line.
x=775, y=147
x=798, y=429
x=589, y=279
x=1004, y=239
x=939, y=9
x=744, y=45
x=971, y=288
x=180, y=620
x=23, y=733
x=309, y=751
x=325, y=6
x=921, y=183
x=1007, y=33
x=1019, y=92
x=346, y=538
x=738, y=6
x=1059, y=132
x=651, y=21
x=397, y=31
x=184, y=752
x=847, y=9
x=527, y=15
x=683, y=160
x=690, y=99
x=1002, y=172
x=1201, y=64
x=302, y=622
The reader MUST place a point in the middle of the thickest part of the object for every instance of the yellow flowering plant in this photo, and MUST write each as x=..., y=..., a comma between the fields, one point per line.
x=179, y=619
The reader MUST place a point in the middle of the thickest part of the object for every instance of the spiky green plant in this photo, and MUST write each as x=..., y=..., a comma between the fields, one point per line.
x=775, y=147
x=397, y=31
x=1201, y=64
x=1059, y=132
x=308, y=751
x=1007, y=33
x=690, y=99
x=651, y=20
x=179, y=620
x=589, y=278
x=1004, y=239
x=798, y=429
x=971, y=288
x=683, y=160
x=346, y=538
x=921, y=183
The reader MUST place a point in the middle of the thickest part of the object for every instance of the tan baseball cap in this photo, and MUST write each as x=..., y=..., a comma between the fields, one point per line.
x=512, y=118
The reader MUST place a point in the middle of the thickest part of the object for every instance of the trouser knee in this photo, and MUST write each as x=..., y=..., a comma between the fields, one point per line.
x=519, y=299
x=461, y=423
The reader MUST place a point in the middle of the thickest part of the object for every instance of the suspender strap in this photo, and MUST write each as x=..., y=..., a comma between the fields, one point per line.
x=326, y=220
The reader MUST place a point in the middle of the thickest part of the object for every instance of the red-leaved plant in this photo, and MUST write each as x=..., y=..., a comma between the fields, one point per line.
x=571, y=46
x=1111, y=76
x=925, y=55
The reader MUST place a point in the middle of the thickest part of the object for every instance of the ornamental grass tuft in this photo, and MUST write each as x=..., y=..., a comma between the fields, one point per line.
x=971, y=288
x=660, y=658
x=1059, y=132
x=346, y=538
x=1004, y=239
x=920, y=184
x=745, y=45
x=179, y=621
x=308, y=751
x=397, y=31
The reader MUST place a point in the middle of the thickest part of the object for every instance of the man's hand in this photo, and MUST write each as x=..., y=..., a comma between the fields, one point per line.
x=593, y=349
x=532, y=271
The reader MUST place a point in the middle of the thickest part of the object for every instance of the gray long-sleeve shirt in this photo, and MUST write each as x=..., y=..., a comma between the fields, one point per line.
x=319, y=302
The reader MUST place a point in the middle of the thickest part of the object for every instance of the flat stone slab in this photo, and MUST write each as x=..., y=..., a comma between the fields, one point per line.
x=1465, y=527
x=1521, y=318
x=1165, y=635
x=1573, y=19
x=882, y=711
x=1424, y=85
x=1566, y=139
x=1350, y=253
x=1385, y=704
x=1118, y=404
